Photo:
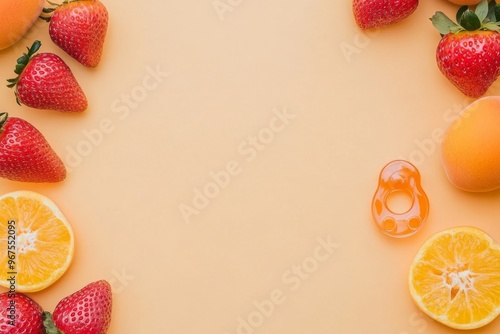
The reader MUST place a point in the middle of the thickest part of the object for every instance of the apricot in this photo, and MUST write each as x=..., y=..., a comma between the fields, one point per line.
x=470, y=149
x=16, y=18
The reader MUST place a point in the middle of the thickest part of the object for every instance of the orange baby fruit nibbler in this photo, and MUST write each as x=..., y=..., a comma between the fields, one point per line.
x=400, y=176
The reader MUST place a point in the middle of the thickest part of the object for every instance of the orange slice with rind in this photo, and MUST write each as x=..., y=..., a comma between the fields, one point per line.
x=455, y=278
x=36, y=242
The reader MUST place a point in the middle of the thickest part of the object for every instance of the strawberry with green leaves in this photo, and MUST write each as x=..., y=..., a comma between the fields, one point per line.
x=79, y=28
x=468, y=53
x=44, y=81
x=20, y=314
x=379, y=13
x=25, y=155
x=87, y=311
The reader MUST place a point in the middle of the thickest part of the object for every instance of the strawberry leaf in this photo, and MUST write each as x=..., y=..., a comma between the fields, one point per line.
x=17, y=98
x=46, y=14
x=50, y=327
x=3, y=118
x=460, y=11
x=470, y=21
x=443, y=23
x=485, y=17
x=491, y=11
x=456, y=29
x=482, y=10
x=492, y=26
x=19, y=68
x=22, y=62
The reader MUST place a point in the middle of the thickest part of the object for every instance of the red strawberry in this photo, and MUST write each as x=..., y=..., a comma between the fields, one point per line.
x=378, y=13
x=87, y=311
x=25, y=155
x=45, y=82
x=20, y=314
x=468, y=53
x=79, y=28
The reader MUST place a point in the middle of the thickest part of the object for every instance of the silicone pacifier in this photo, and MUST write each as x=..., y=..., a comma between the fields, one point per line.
x=400, y=176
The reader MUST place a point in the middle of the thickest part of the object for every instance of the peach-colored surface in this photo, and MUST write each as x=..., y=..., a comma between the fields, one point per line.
x=16, y=18
x=222, y=176
x=471, y=147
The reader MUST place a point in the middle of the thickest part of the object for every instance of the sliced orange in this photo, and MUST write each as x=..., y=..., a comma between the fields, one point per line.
x=455, y=278
x=36, y=242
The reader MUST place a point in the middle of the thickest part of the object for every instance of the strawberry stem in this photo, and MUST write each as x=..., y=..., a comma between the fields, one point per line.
x=3, y=118
x=50, y=327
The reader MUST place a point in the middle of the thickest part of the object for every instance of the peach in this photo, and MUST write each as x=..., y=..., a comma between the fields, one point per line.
x=16, y=18
x=470, y=149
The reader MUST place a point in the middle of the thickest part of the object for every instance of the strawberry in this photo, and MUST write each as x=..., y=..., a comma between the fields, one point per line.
x=44, y=81
x=378, y=13
x=468, y=53
x=25, y=155
x=79, y=28
x=87, y=311
x=20, y=314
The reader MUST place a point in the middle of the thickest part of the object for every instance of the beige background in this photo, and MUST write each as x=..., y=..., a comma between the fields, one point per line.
x=354, y=102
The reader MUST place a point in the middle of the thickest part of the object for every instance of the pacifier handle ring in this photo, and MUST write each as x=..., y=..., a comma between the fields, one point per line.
x=400, y=175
